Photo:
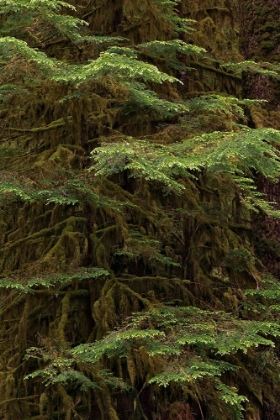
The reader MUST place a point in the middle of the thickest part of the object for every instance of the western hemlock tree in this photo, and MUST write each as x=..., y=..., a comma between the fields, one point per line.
x=128, y=185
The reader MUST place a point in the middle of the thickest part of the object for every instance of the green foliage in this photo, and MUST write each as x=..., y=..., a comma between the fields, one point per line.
x=187, y=341
x=123, y=66
x=239, y=259
x=233, y=155
x=68, y=190
x=52, y=280
x=230, y=107
x=265, y=300
x=250, y=66
x=193, y=371
x=144, y=100
x=137, y=246
x=60, y=370
x=168, y=12
x=116, y=344
x=41, y=5
x=231, y=398
x=19, y=15
x=11, y=47
x=168, y=51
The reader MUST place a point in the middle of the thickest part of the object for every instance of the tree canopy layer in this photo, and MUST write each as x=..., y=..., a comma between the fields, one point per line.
x=139, y=162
